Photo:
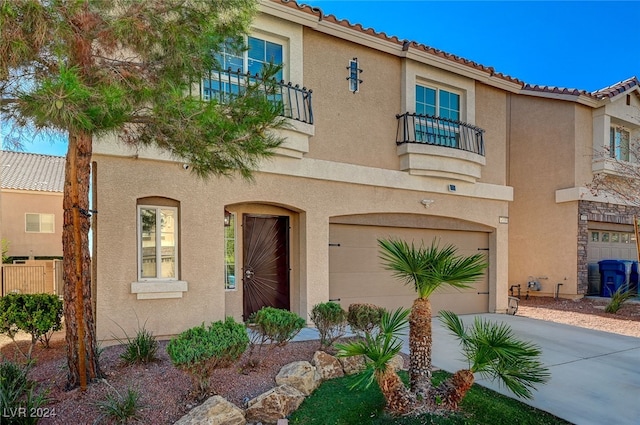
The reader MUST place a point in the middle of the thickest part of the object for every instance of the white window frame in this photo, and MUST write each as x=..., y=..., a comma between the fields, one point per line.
x=233, y=217
x=438, y=89
x=282, y=42
x=617, y=150
x=158, y=245
x=40, y=216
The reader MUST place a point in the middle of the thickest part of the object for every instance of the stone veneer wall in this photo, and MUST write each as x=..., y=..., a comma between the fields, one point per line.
x=589, y=211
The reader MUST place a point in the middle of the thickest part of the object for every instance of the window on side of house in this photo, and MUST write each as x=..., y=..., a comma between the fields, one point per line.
x=260, y=53
x=157, y=242
x=439, y=103
x=39, y=223
x=230, y=253
x=619, y=143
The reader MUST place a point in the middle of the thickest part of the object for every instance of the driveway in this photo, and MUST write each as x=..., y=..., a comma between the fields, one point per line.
x=595, y=376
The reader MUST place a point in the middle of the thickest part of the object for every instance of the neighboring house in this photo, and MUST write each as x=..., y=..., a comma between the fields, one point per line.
x=31, y=219
x=559, y=229
x=388, y=138
x=31, y=188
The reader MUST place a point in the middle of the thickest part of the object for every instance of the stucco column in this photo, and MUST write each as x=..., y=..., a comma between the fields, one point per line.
x=499, y=269
x=314, y=261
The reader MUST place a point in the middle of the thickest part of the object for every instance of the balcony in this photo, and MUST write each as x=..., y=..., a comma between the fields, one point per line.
x=223, y=85
x=440, y=147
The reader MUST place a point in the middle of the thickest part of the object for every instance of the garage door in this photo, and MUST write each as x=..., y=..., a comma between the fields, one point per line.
x=611, y=245
x=356, y=274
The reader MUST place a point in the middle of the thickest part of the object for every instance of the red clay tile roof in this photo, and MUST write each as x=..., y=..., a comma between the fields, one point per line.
x=617, y=88
x=30, y=171
x=393, y=39
x=599, y=94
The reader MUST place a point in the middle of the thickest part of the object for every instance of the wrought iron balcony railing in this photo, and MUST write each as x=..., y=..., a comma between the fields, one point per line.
x=294, y=100
x=432, y=130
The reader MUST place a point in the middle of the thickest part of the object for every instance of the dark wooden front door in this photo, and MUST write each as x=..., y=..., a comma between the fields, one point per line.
x=266, y=262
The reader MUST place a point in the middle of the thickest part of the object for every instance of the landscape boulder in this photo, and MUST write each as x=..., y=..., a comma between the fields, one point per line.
x=352, y=364
x=214, y=411
x=397, y=362
x=328, y=367
x=277, y=403
x=301, y=375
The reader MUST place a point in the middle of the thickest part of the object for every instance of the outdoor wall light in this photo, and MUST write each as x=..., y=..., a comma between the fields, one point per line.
x=227, y=218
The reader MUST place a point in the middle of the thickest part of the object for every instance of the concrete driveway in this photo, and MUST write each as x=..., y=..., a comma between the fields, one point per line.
x=595, y=376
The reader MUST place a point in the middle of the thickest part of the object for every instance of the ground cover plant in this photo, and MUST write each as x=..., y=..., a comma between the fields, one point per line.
x=334, y=403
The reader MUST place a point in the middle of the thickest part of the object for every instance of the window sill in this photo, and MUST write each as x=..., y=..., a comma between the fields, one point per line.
x=161, y=289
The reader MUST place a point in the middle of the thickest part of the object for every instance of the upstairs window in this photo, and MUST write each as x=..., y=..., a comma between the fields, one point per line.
x=157, y=242
x=39, y=223
x=437, y=103
x=252, y=61
x=619, y=144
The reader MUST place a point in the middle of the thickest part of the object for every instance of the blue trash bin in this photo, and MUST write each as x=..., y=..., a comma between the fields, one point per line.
x=634, y=277
x=613, y=275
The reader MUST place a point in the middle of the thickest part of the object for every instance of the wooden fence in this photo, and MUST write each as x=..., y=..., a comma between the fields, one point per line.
x=32, y=277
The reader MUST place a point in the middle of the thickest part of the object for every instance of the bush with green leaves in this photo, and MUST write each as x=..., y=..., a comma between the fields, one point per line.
x=618, y=298
x=202, y=349
x=36, y=314
x=276, y=325
x=330, y=320
x=364, y=317
x=17, y=391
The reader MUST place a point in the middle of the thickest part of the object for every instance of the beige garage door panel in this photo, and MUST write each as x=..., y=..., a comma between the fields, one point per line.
x=356, y=273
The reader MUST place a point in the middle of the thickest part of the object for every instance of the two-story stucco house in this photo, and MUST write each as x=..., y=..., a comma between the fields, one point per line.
x=559, y=229
x=387, y=138
x=31, y=195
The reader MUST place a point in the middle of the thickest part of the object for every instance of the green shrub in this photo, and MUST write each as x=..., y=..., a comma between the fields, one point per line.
x=36, y=314
x=277, y=325
x=17, y=391
x=618, y=298
x=121, y=408
x=140, y=349
x=201, y=349
x=330, y=320
x=364, y=317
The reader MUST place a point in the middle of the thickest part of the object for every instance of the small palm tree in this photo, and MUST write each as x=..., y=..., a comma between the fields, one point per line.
x=427, y=269
x=492, y=350
x=379, y=350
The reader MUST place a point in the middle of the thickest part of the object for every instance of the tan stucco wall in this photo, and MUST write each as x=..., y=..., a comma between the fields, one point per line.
x=201, y=237
x=15, y=204
x=491, y=115
x=356, y=128
x=542, y=233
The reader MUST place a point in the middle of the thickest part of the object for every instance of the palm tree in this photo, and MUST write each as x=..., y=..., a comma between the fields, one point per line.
x=493, y=351
x=380, y=349
x=427, y=269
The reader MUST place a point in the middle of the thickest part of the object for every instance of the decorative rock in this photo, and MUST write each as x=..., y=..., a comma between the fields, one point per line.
x=215, y=411
x=275, y=404
x=353, y=364
x=327, y=366
x=397, y=362
x=300, y=375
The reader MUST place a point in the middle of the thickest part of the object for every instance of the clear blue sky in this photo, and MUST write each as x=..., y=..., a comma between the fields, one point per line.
x=577, y=44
